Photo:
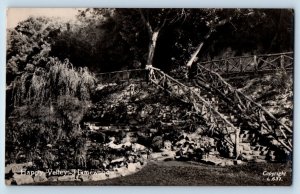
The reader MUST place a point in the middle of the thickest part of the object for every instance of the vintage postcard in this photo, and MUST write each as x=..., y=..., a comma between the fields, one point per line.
x=104, y=96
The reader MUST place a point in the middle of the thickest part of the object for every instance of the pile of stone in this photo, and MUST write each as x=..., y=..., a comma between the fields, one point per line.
x=21, y=174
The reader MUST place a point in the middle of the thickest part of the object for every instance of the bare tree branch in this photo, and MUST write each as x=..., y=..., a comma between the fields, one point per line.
x=146, y=22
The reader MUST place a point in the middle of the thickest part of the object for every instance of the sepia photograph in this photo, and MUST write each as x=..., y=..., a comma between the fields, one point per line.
x=149, y=97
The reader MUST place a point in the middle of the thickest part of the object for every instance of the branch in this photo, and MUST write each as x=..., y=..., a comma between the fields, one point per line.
x=163, y=24
x=146, y=22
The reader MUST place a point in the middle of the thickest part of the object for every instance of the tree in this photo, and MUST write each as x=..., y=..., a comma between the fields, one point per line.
x=29, y=44
x=155, y=20
x=241, y=25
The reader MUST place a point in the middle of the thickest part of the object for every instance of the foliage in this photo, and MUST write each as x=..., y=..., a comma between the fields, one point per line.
x=45, y=85
x=51, y=97
x=49, y=104
x=113, y=39
x=29, y=44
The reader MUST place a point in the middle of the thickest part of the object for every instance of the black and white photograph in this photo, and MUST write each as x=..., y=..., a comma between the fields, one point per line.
x=149, y=96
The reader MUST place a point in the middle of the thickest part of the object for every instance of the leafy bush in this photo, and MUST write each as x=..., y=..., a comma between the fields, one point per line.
x=45, y=85
x=49, y=103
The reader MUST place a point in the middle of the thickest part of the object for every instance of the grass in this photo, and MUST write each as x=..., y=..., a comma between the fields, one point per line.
x=174, y=173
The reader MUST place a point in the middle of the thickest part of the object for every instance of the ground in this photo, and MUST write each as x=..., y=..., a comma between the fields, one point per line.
x=175, y=173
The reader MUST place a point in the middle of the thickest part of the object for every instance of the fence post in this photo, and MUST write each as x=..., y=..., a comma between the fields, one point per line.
x=241, y=65
x=282, y=61
x=237, y=142
x=227, y=66
x=255, y=63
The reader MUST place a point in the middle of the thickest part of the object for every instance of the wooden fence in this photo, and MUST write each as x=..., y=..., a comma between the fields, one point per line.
x=123, y=76
x=251, y=64
x=244, y=107
x=215, y=120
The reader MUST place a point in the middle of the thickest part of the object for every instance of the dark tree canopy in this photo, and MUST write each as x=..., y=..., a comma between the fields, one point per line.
x=114, y=39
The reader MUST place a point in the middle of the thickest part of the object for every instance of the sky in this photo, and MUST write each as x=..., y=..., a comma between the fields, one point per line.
x=16, y=15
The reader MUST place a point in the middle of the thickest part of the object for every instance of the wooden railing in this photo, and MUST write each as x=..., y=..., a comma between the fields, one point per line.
x=214, y=119
x=244, y=107
x=251, y=64
x=209, y=76
x=122, y=76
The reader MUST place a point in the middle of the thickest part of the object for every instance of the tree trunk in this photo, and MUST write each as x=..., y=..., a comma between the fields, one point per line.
x=211, y=30
x=152, y=47
x=194, y=55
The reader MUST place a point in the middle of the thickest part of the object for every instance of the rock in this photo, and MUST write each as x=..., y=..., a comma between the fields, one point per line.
x=40, y=176
x=112, y=174
x=131, y=167
x=246, y=152
x=256, y=153
x=16, y=168
x=52, y=178
x=97, y=177
x=229, y=163
x=168, y=153
x=260, y=161
x=237, y=162
x=144, y=156
x=222, y=164
x=247, y=157
x=212, y=161
x=155, y=155
x=167, y=145
x=122, y=171
x=181, y=142
x=261, y=157
x=22, y=179
x=83, y=177
x=66, y=178
x=118, y=160
x=8, y=181
x=157, y=143
x=152, y=130
x=138, y=166
x=138, y=147
x=245, y=146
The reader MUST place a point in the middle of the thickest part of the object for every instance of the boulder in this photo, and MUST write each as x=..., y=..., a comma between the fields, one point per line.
x=157, y=143
x=237, y=162
x=52, y=178
x=112, y=174
x=122, y=171
x=98, y=177
x=22, y=179
x=8, y=181
x=131, y=167
x=247, y=157
x=40, y=176
x=66, y=178
x=83, y=177
x=168, y=153
x=167, y=145
x=16, y=168
x=138, y=147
